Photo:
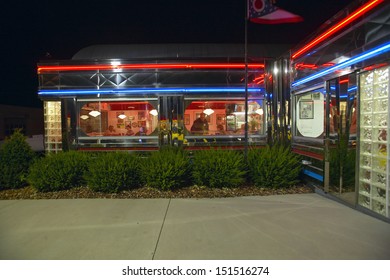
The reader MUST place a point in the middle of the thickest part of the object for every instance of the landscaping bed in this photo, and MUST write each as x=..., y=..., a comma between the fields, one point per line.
x=144, y=192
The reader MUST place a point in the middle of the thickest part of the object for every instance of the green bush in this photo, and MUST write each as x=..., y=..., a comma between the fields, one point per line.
x=16, y=156
x=166, y=169
x=113, y=172
x=59, y=171
x=273, y=167
x=217, y=168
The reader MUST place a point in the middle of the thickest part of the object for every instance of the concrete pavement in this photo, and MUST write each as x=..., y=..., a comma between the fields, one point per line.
x=283, y=227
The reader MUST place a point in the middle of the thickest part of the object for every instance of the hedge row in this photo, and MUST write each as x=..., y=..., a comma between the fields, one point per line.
x=166, y=169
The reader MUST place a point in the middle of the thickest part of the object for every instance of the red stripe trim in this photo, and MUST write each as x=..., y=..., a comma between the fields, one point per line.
x=49, y=68
x=308, y=154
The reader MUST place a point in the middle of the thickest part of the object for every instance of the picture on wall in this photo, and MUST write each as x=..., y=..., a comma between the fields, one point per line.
x=306, y=109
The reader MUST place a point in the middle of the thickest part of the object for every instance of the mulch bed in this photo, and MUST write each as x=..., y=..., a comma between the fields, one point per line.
x=189, y=192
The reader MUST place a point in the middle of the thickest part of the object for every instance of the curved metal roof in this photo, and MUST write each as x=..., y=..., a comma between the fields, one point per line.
x=169, y=51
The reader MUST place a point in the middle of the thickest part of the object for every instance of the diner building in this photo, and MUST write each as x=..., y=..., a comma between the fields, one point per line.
x=328, y=96
x=141, y=97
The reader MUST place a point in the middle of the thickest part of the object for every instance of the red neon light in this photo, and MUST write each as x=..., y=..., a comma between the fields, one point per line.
x=360, y=12
x=301, y=66
x=344, y=81
x=147, y=66
x=328, y=64
x=259, y=78
x=375, y=66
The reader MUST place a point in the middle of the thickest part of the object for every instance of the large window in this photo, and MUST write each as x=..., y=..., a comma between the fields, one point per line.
x=223, y=117
x=118, y=118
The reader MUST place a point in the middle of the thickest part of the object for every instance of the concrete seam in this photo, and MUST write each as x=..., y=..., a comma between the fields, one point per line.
x=161, y=229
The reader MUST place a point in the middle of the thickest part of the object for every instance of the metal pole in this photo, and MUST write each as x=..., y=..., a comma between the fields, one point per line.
x=246, y=79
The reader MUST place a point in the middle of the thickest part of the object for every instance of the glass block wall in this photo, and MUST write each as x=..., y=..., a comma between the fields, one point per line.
x=53, y=133
x=374, y=146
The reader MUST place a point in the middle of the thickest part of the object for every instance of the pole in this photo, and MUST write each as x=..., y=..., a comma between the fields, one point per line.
x=246, y=79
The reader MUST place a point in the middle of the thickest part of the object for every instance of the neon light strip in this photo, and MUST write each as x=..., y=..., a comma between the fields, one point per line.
x=147, y=66
x=147, y=90
x=358, y=13
x=313, y=175
x=363, y=56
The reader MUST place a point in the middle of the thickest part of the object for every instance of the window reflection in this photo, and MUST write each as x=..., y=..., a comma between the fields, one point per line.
x=117, y=119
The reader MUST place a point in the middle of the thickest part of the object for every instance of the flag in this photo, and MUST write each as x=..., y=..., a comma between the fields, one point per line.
x=263, y=11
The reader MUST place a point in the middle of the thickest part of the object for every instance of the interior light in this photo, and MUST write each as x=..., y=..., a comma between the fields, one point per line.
x=84, y=117
x=346, y=21
x=260, y=111
x=208, y=111
x=94, y=113
x=122, y=116
x=153, y=112
x=115, y=63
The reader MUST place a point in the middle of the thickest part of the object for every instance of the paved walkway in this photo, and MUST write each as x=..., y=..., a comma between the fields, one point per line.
x=302, y=226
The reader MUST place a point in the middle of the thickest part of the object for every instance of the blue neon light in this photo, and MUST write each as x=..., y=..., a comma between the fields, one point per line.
x=148, y=90
x=313, y=175
x=359, y=58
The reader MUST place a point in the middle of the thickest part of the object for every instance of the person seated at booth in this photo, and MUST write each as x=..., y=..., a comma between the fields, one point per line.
x=200, y=125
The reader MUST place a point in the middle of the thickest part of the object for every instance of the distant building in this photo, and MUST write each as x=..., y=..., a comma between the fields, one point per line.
x=29, y=120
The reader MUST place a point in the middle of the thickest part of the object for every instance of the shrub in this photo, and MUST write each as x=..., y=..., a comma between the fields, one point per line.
x=113, y=172
x=273, y=167
x=59, y=171
x=16, y=156
x=218, y=168
x=167, y=169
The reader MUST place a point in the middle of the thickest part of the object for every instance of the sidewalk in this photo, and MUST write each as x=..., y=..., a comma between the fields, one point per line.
x=300, y=226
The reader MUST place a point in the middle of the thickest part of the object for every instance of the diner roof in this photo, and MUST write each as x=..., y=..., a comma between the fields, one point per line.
x=175, y=51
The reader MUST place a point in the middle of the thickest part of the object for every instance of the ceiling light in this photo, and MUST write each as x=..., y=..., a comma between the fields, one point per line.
x=208, y=111
x=94, y=113
x=260, y=111
x=122, y=116
x=84, y=117
x=154, y=112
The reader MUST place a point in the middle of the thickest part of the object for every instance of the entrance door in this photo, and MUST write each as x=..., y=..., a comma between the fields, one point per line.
x=171, y=120
x=341, y=137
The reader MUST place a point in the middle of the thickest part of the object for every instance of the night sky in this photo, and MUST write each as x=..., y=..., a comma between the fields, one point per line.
x=30, y=29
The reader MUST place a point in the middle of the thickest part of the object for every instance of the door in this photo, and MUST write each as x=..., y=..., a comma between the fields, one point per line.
x=171, y=120
x=341, y=137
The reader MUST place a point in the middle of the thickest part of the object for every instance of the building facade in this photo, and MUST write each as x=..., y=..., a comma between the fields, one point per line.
x=329, y=95
x=140, y=97
x=340, y=106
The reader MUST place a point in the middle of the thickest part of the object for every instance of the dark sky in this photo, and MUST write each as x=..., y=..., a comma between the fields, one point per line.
x=29, y=29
